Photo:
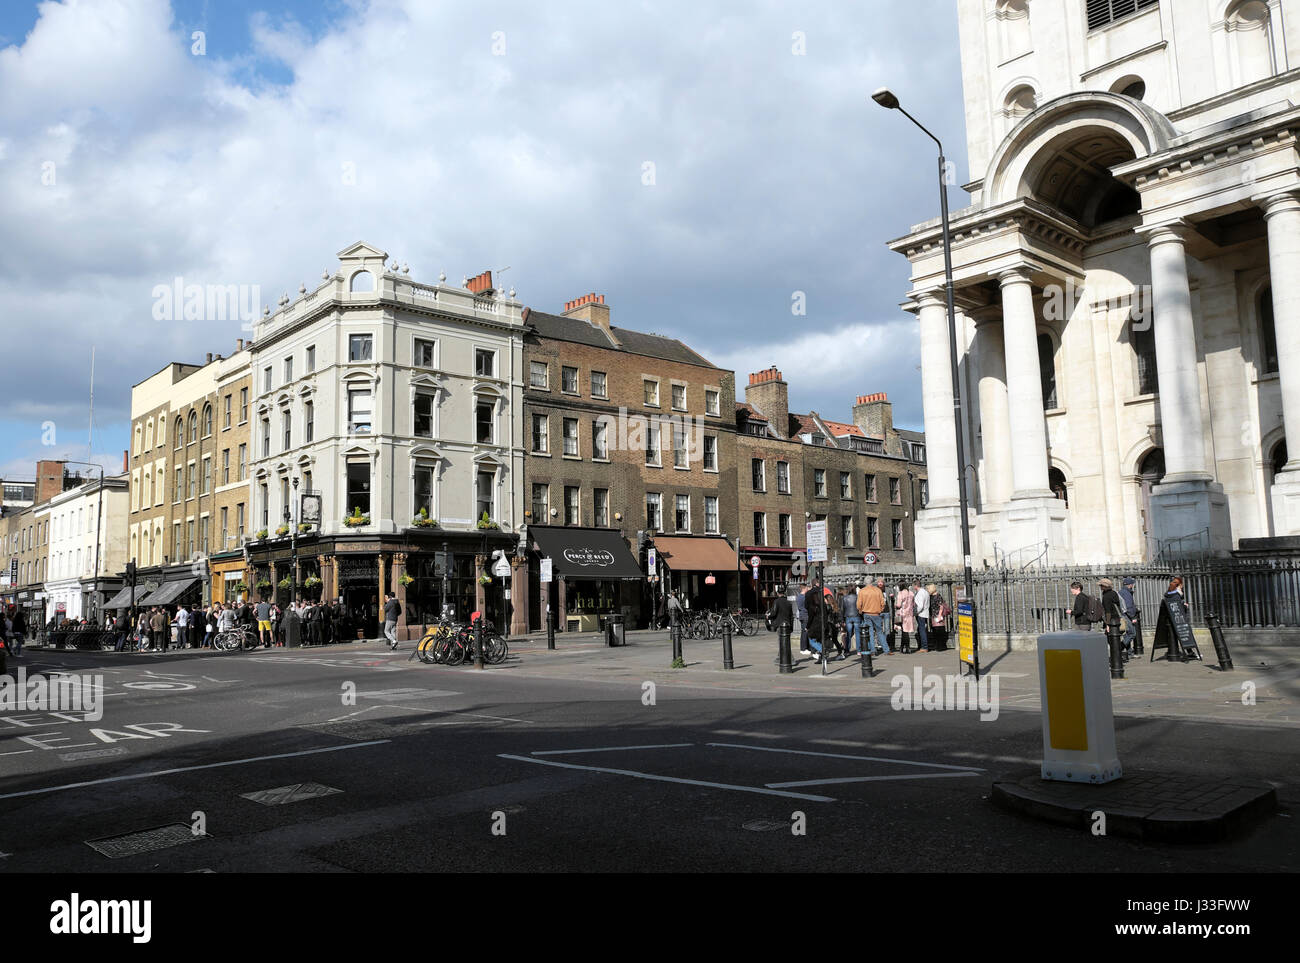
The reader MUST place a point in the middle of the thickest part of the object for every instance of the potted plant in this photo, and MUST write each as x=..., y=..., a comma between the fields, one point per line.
x=356, y=519
x=304, y=527
x=487, y=523
x=423, y=520
x=311, y=581
x=282, y=530
x=485, y=580
x=239, y=588
x=405, y=580
x=263, y=584
x=261, y=533
x=286, y=582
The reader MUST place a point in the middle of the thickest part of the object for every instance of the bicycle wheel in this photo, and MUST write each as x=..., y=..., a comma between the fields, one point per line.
x=748, y=626
x=497, y=650
x=224, y=641
x=424, y=649
x=455, y=652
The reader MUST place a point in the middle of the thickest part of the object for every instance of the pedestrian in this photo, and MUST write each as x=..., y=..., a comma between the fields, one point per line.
x=1112, y=613
x=161, y=628
x=939, y=612
x=921, y=605
x=264, y=623
x=871, y=606
x=392, y=611
x=801, y=618
x=852, y=621
x=1128, y=606
x=19, y=631
x=1080, y=608
x=1175, y=598
x=821, y=620
x=182, y=623
x=904, y=616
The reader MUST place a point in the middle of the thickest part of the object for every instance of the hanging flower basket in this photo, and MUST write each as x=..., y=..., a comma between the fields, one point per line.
x=239, y=588
x=311, y=582
x=405, y=579
x=263, y=583
x=485, y=580
x=286, y=583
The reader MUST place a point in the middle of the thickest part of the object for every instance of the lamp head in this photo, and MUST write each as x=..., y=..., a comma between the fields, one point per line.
x=885, y=98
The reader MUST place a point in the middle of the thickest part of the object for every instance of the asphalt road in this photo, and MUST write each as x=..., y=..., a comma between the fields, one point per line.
x=430, y=768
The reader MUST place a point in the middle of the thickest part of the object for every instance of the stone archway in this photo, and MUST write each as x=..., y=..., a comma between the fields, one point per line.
x=1150, y=470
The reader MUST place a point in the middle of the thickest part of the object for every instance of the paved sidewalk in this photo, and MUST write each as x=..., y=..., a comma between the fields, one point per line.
x=1193, y=690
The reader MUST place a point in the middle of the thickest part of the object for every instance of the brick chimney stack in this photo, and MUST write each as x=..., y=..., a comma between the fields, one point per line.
x=49, y=480
x=126, y=461
x=239, y=345
x=592, y=309
x=875, y=416
x=770, y=395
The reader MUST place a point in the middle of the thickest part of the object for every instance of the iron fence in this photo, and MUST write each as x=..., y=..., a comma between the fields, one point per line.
x=1243, y=593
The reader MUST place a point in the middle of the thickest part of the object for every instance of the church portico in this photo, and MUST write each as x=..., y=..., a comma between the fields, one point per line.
x=1131, y=292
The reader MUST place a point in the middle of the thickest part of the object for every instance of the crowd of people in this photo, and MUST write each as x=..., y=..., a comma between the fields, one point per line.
x=863, y=617
x=1116, y=611
x=156, y=629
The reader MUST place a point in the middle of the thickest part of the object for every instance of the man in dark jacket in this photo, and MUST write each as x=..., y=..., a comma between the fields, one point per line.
x=801, y=613
x=1129, y=607
x=1080, y=609
x=392, y=610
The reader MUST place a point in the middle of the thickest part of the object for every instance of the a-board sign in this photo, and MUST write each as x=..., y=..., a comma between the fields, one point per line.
x=1173, y=629
x=966, y=633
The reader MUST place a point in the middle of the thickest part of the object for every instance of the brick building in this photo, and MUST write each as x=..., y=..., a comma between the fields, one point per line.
x=866, y=479
x=632, y=434
x=25, y=540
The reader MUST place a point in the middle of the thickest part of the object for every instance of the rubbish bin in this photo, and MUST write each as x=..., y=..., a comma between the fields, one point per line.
x=614, y=631
x=292, y=630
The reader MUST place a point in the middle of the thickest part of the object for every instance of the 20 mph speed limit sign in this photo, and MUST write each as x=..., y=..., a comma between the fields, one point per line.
x=754, y=560
x=870, y=558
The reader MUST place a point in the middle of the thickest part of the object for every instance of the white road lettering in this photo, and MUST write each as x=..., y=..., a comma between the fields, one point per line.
x=46, y=737
x=114, y=735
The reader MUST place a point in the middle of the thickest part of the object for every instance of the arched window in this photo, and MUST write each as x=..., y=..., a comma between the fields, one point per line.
x=1267, y=332
x=194, y=428
x=362, y=282
x=207, y=421
x=1152, y=466
x=1047, y=368
x=1130, y=85
x=1250, y=36
x=1056, y=481
x=1142, y=337
x=1020, y=101
x=1278, y=457
x=178, y=433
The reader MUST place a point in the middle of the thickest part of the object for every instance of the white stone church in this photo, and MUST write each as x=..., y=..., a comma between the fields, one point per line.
x=1127, y=283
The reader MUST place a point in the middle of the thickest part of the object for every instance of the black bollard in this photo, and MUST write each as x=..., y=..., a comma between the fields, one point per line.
x=550, y=628
x=478, y=643
x=867, y=668
x=727, y=661
x=1116, y=655
x=1137, y=636
x=783, y=661
x=1220, y=644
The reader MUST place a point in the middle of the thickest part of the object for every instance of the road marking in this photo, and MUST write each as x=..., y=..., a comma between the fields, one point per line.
x=171, y=772
x=829, y=782
x=406, y=693
x=676, y=779
x=839, y=755
x=751, y=735
x=561, y=752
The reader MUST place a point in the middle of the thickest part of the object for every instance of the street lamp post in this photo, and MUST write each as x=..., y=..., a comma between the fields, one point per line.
x=293, y=542
x=885, y=98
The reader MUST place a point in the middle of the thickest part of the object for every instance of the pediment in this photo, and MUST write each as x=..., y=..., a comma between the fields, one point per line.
x=361, y=251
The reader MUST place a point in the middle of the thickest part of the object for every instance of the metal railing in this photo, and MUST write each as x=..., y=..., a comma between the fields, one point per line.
x=1243, y=593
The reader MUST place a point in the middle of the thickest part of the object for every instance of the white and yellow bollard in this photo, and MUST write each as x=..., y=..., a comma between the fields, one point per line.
x=1078, y=721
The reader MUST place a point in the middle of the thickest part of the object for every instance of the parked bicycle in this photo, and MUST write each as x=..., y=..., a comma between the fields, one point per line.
x=240, y=638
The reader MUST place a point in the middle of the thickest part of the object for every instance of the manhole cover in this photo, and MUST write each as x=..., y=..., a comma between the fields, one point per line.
x=148, y=840
x=93, y=753
x=765, y=825
x=288, y=794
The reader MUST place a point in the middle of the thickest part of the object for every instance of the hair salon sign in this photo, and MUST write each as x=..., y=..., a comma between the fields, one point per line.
x=588, y=556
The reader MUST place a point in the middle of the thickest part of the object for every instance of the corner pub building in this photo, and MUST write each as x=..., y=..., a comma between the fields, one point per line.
x=385, y=434
x=1128, y=281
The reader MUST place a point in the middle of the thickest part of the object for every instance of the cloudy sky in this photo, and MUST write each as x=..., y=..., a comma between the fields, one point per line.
x=461, y=136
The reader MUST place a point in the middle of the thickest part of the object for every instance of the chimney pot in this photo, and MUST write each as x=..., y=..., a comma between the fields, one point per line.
x=239, y=344
x=126, y=461
x=209, y=361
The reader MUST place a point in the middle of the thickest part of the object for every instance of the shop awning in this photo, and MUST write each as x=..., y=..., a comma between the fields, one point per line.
x=695, y=554
x=169, y=592
x=586, y=553
x=122, y=599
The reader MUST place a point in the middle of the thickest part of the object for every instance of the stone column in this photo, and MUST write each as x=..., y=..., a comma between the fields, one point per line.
x=329, y=583
x=1182, y=428
x=519, y=595
x=1028, y=440
x=995, y=412
x=1282, y=212
x=938, y=526
x=399, y=569
x=936, y=399
x=1189, y=509
x=275, y=582
x=562, y=606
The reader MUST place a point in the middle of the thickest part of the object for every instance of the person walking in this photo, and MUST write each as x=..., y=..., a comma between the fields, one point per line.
x=886, y=614
x=1080, y=608
x=801, y=618
x=921, y=605
x=161, y=626
x=1112, y=617
x=392, y=610
x=782, y=616
x=904, y=616
x=939, y=612
x=264, y=623
x=852, y=621
x=871, y=605
x=1128, y=606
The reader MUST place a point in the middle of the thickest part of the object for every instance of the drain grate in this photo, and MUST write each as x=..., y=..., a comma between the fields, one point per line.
x=145, y=841
x=290, y=794
x=765, y=825
x=93, y=753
